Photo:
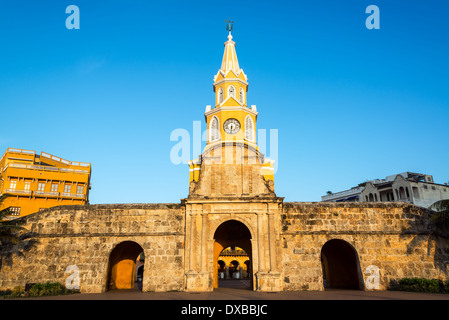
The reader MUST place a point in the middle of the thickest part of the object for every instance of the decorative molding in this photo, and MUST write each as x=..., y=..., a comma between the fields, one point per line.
x=220, y=82
x=236, y=108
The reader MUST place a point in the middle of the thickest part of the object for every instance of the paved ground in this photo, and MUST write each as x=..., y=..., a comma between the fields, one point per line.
x=238, y=290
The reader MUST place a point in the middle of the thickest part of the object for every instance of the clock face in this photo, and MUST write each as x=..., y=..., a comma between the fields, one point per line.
x=231, y=126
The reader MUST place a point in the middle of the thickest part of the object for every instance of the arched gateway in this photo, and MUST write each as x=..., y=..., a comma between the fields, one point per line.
x=253, y=226
x=231, y=233
x=122, y=265
x=341, y=267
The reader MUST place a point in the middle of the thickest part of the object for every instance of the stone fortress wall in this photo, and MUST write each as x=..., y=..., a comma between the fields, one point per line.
x=395, y=238
x=392, y=239
x=84, y=236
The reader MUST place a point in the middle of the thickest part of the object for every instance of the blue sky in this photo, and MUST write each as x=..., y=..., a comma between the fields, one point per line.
x=349, y=103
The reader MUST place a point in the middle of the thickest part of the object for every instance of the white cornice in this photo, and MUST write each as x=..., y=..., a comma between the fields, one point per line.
x=238, y=108
x=225, y=74
x=220, y=82
x=218, y=142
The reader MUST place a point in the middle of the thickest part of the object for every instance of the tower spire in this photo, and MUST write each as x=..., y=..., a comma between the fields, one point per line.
x=230, y=61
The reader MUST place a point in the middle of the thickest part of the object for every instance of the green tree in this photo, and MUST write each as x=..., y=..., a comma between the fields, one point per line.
x=9, y=228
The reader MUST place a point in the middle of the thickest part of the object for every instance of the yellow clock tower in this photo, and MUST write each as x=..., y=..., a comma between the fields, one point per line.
x=231, y=131
x=231, y=119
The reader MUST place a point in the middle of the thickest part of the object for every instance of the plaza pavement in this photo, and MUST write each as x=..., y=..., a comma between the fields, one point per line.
x=238, y=290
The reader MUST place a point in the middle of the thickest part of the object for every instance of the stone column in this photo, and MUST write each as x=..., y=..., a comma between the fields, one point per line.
x=204, y=243
x=189, y=240
x=196, y=278
x=254, y=262
x=260, y=242
x=268, y=277
x=272, y=243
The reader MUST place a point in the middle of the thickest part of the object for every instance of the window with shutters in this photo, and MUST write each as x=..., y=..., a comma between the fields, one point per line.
x=220, y=95
x=249, y=128
x=231, y=92
x=241, y=96
x=214, y=133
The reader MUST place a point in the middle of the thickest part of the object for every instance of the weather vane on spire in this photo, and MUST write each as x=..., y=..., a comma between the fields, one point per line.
x=229, y=26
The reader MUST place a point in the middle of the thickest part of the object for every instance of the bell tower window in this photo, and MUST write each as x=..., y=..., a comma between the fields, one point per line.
x=220, y=95
x=231, y=92
x=214, y=133
x=241, y=95
x=249, y=128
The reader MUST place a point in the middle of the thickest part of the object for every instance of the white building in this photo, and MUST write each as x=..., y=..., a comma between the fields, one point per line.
x=415, y=188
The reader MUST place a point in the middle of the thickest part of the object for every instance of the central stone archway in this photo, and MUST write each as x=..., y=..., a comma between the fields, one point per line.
x=232, y=233
x=215, y=224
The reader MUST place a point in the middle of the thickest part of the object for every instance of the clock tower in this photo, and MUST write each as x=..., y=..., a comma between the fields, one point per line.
x=231, y=138
x=231, y=199
x=231, y=119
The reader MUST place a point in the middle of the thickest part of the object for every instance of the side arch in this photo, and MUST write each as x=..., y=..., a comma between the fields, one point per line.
x=341, y=265
x=122, y=265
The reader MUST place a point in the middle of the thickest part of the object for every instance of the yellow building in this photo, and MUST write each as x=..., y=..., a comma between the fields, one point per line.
x=234, y=263
x=231, y=121
x=35, y=182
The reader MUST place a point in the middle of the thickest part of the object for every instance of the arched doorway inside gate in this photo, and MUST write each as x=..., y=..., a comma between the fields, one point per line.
x=341, y=268
x=231, y=236
x=234, y=263
x=122, y=271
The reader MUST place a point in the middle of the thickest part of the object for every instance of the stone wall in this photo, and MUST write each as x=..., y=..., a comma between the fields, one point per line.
x=84, y=236
x=231, y=170
x=396, y=238
x=178, y=240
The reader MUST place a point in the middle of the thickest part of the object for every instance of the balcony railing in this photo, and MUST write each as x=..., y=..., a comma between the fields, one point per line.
x=39, y=193
x=345, y=193
x=17, y=151
x=18, y=191
x=64, y=161
x=44, y=168
x=72, y=195
x=46, y=193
